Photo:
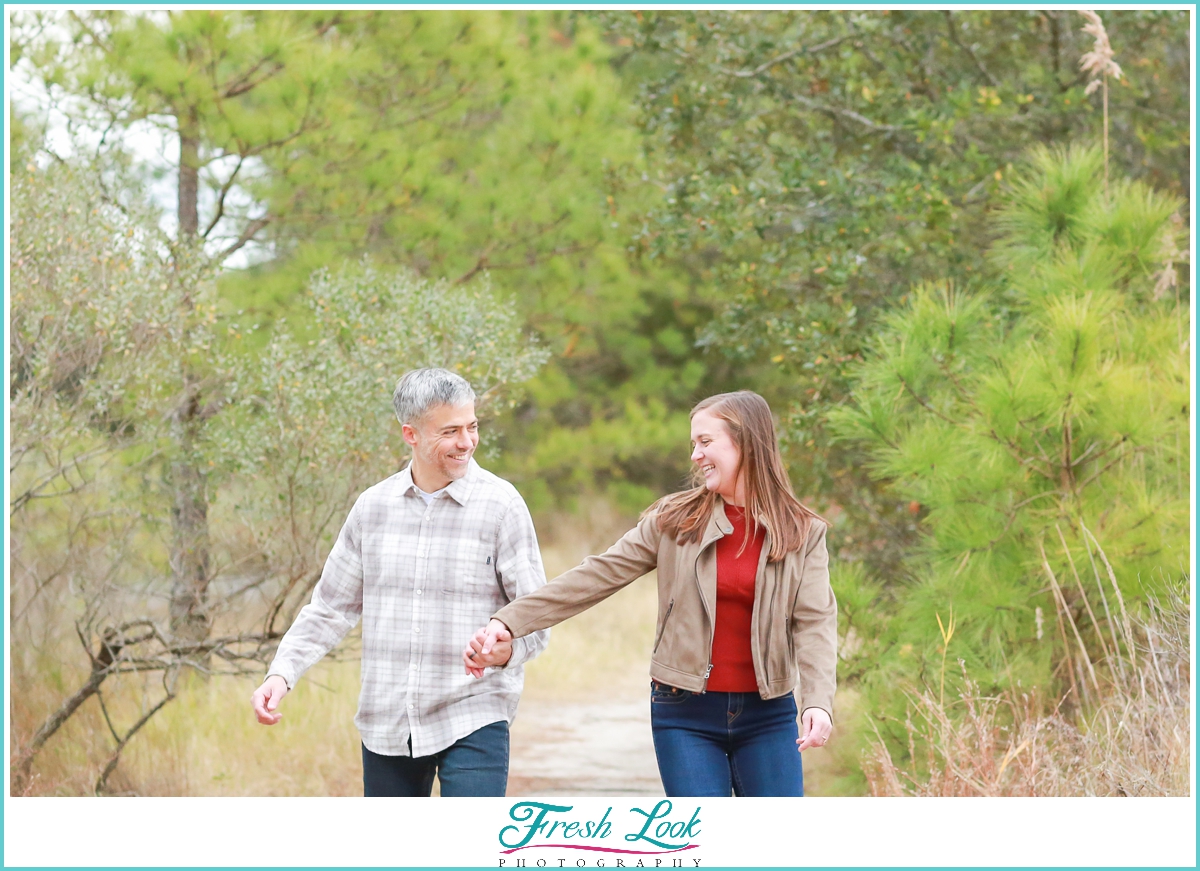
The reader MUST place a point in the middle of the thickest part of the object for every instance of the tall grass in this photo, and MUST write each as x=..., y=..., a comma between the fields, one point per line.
x=1132, y=736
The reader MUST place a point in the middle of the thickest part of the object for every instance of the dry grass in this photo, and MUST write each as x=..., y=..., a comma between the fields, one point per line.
x=1133, y=739
x=205, y=742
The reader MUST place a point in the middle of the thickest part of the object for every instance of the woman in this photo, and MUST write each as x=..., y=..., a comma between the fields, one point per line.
x=745, y=612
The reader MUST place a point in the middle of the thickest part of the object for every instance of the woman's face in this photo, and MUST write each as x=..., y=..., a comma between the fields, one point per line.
x=718, y=458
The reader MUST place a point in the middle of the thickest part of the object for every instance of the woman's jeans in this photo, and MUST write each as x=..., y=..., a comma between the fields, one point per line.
x=717, y=743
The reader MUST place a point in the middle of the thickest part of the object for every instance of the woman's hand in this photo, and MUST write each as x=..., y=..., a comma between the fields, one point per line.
x=817, y=727
x=491, y=645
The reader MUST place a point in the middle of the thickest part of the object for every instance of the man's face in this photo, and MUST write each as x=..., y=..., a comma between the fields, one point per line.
x=443, y=440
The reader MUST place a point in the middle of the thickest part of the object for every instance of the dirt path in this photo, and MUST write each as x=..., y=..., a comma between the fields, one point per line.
x=583, y=748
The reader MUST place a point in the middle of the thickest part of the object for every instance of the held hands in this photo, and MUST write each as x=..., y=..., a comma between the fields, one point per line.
x=491, y=645
x=267, y=698
x=817, y=727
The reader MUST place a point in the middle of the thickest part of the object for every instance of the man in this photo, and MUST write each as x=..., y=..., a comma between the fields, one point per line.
x=424, y=558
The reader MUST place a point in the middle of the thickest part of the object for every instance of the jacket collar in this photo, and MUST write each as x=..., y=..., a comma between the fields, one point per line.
x=719, y=526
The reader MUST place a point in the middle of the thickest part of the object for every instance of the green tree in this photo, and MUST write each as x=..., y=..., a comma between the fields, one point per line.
x=813, y=166
x=205, y=78
x=451, y=143
x=1034, y=421
x=525, y=187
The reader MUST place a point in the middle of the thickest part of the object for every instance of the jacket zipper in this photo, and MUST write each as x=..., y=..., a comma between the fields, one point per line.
x=711, y=623
x=766, y=646
x=662, y=629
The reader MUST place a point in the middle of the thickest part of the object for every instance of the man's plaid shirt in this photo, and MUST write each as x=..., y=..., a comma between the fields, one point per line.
x=423, y=579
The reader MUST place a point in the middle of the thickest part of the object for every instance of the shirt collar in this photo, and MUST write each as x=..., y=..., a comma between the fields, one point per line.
x=459, y=490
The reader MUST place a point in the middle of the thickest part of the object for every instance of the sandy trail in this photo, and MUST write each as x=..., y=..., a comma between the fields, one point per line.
x=583, y=748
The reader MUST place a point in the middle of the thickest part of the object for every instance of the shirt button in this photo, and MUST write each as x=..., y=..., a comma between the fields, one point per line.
x=417, y=629
x=418, y=592
x=410, y=707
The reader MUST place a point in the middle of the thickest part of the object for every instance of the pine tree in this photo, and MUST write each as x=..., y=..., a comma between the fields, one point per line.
x=1032, y=422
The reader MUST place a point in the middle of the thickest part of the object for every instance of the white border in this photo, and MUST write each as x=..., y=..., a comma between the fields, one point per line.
x=829, y=832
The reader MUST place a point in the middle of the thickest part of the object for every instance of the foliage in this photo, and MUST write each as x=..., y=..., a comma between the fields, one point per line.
x=813, y=166
x=1025, y=418
x=451, y=143
x=513, y=178
x=88, y=312
x=229, y=89
x=460, y=142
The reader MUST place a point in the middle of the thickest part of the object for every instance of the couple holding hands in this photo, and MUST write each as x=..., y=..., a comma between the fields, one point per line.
x=746, y=615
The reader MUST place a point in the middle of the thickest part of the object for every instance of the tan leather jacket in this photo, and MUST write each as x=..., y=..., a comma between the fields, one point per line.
x=793, y=624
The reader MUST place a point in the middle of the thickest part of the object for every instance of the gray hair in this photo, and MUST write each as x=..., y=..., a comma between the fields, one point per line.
x=421, y=389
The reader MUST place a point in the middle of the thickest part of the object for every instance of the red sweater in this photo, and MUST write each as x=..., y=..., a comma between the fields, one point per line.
x=732, y=662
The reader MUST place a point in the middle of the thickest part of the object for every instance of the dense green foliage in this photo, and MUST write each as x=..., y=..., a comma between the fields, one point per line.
x=815, y=165
x=785, y=176
x=1055, y=400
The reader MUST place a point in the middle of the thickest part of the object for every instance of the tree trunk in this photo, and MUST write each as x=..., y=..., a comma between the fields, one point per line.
x=189, y=522
x=185, y=478
x=189, y=173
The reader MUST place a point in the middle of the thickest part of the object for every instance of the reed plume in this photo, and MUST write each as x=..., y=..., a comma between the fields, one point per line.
x=1100, y=65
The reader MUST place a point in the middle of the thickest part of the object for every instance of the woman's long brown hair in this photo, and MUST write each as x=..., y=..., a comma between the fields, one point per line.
x=769, y=495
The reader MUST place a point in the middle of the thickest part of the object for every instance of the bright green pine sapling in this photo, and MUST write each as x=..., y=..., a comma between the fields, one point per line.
x=1021, y=414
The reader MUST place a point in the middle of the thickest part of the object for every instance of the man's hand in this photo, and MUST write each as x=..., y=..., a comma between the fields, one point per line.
x=817, y=727
x=491, y=645
x=267, y=698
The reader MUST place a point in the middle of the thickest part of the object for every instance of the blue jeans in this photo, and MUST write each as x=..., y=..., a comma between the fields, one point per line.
x=474, y=765
x=717, y=743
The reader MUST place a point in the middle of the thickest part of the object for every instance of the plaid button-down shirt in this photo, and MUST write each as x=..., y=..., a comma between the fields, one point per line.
x=423, y=578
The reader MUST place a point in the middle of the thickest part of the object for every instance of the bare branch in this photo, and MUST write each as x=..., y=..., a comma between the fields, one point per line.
x=102, y=781
x=248, y=233
x=224, y=192
x=247, y=82
x=36, y=490
x=839, y=112
x=787, y=55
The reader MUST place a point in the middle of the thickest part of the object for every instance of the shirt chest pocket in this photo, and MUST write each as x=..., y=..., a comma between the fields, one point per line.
x=473, y=571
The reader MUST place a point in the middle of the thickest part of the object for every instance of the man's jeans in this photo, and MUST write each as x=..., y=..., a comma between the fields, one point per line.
x=717, y=743
x=474, y=765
